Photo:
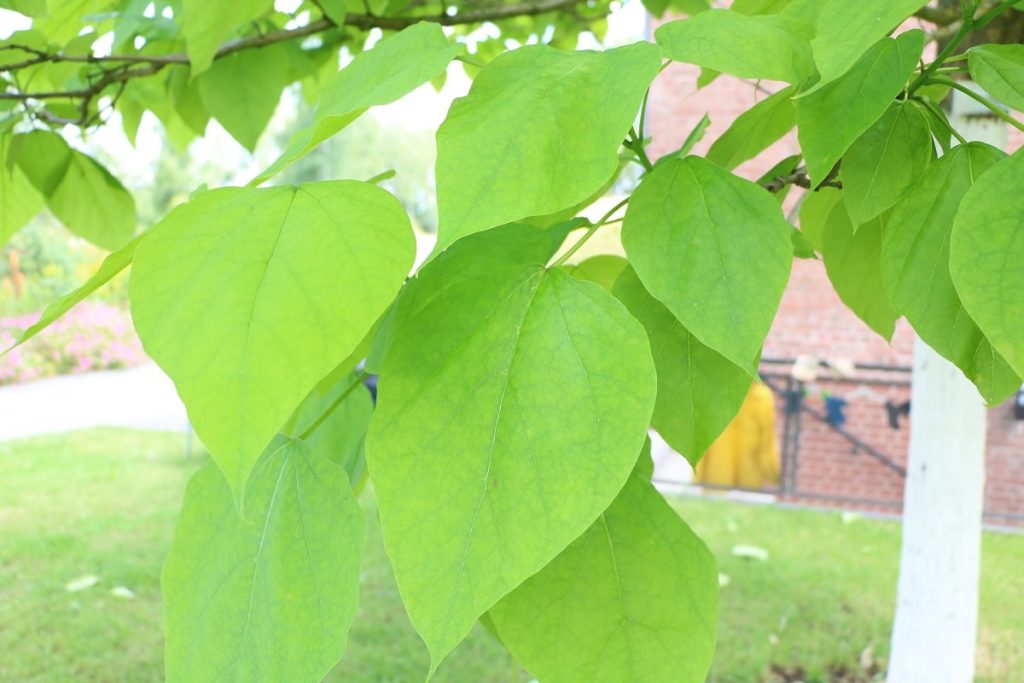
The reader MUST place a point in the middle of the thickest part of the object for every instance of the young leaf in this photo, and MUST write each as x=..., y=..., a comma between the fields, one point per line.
x=846, y=30
x=394, y=67
x=766, y=46
x=885, y=162
x=853, y=264
x=755, y=129
x=513, y=401
x=207, y=24
x=985, y=253
x=915, y=269
x=832, y=117
x=113, y=264
x=551, y=123
x=43, y=157
x=699, y=391
x=633, y=599
x=242, y=90
x=715, y=249
x=999, y=69
x=271, y=597
x=248, y=297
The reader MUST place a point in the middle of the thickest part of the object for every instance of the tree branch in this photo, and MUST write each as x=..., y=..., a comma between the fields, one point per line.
x=128, y=67
x=800, y=178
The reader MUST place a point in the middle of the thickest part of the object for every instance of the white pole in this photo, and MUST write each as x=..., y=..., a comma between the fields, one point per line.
x=936, y=623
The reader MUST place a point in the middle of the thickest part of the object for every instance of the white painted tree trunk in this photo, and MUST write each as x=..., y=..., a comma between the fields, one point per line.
x=935, y=628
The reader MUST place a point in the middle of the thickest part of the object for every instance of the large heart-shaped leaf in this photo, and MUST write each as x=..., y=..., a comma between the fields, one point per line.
x=633, y=599
x=248, y=297
x=985, y=255
x=269, y=597
x=715, y=249
x=539, y=132
x=513, y=402
x=915, y=269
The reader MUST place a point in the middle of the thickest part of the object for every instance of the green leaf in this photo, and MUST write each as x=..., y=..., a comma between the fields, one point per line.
x=755, y=129
x=43, y=157
x=853, y=264
x=715, y=249
x=846, y=30
x=699, y=391
x=603, y=269
x=93, y=204
x=248, y=297
x=764, y=46
x=80, y=192
x=113, y=264
x=347, y=404
x=19, y=200
x=30, y=8
x=551, y=123
x=999, y=69
x=633, y=599
x=802, y=247
x=335, y=10
x=270, y=597
x=242, y=90
x=915, y=269
x=985, y=255
x=884, y=163
x=814, y=213
x=393, y=68
x=831, y=118
x=512, y=404
x=207, y=24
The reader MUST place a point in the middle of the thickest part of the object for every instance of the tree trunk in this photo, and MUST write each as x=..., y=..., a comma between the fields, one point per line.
x=935, y=628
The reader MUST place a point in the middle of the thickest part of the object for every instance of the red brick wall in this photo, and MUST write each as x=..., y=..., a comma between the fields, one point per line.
x=813, y=321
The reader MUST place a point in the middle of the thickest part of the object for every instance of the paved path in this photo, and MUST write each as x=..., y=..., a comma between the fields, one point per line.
x=141, y=397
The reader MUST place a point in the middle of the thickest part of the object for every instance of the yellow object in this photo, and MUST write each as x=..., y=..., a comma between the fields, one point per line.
x=746, y=454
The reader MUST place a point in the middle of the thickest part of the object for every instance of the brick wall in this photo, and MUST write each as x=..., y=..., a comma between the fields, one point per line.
x=813, y=321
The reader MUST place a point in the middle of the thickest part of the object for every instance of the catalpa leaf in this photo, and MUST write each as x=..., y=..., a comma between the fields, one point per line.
x=831, y=118
x=248, y=297
x=699, y=391
x=766, y=46
x=633, y=599
x=845, y=30
x=999, y=69
x=513, y=401
x=985, y=253
x=269, y=597
x=915, y=269
x=715, y=249
x=242, y=89
x=885, y=162
x=396, y=66
x=853, y=262
x=539, y=132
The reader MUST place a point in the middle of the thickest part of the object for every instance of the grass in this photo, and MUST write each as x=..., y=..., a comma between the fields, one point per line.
x=104, y=502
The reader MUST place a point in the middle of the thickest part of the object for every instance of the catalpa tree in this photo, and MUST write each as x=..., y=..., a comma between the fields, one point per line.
x=516, y=387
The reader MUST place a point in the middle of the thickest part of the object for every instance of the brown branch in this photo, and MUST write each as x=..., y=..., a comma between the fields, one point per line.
x=363, y=22
x=937, y=15
x=800, y=178
x=152, y=64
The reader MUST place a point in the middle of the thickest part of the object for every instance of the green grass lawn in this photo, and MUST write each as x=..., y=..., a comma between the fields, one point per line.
x=104, y=503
